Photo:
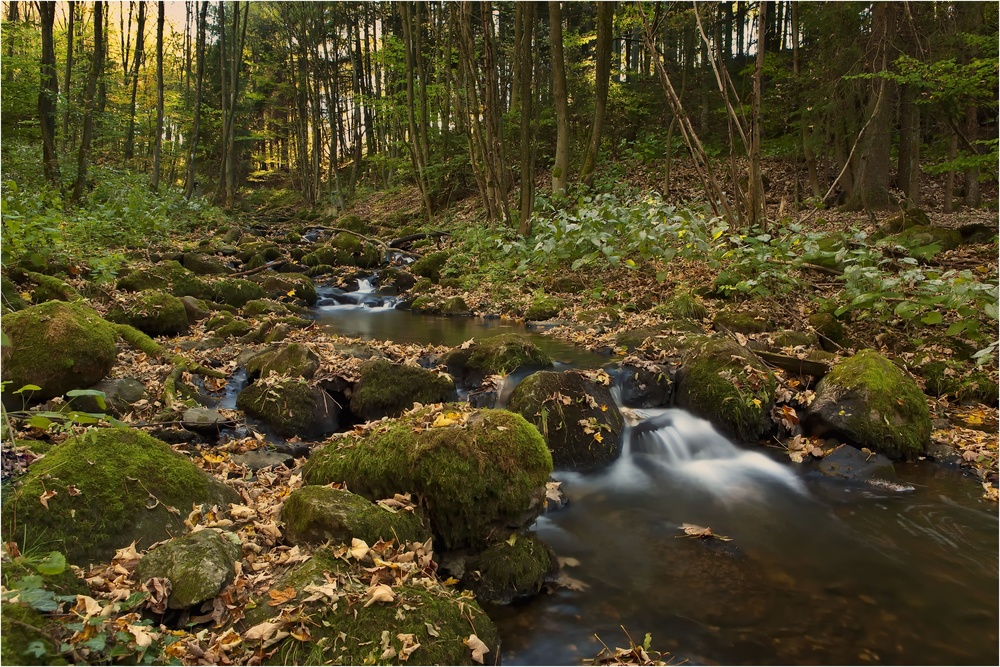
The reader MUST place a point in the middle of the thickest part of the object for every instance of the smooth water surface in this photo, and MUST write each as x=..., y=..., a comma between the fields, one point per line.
x=818, y=571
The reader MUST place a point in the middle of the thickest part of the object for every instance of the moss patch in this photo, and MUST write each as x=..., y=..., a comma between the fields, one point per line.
x=290, y=406
x=168, y=275
x=22, y=626
x=544, y=307
x=504, y=572
x=497, y=355
x=739, y=322
x=294, y=359
x=474, y=478
x=58, y=346
x=152, y=312
x=118, y=473
x=684, y=305
x=429, y=266
x=277, y=285
x=387, y=389
x=257, y=307
x=236, y=291
x=199, y=565
x=316, y=514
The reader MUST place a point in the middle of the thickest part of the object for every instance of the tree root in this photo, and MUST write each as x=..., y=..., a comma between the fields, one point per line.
x=54, y=285
x=144, y=343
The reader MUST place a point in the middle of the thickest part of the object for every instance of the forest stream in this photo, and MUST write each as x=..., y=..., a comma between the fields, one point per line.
x=803, y=569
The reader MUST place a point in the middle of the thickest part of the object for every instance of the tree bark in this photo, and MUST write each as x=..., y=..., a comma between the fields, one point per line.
x=528, y=18
x=96, y=69
x=158, y=136
x=137, y=58
x=560, y=170
x=202, y=20
x=602, y=80
x=48, y=93
x=70, y=29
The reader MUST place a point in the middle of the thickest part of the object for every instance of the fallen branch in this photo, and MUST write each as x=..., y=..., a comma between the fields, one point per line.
x=408, y=240
x=141, y=341
x=816, y=369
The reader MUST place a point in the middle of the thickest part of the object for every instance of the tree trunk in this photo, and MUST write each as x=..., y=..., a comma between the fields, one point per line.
x=757, y=206
x=527, y=16
x=908, y=165
x=202, y=20
x=602, y=79
x=136, y=62
x=48, y=93
x=158, y=136
x=416, y=151
x=973, y=197
x=96, y=69
x=807, y=152
x=560, y=170
x=70, y=28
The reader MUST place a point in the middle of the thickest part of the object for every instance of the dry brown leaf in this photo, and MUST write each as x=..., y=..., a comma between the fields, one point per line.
x=380, y=593
x=280, y=597
x=479, y=649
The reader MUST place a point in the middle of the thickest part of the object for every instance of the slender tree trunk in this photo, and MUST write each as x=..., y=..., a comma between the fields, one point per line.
x=949, y=183
x=602, y=78
x=136, y=62
x=96, y=69
x=158, y=136
x=70, y=29
x=202, y=20
x=48, y=93
x=908, y=165
x=757, y=205
x=973, y=196
x=560, y=170
x=527, y=15
x=807, y=152
x=416, y=152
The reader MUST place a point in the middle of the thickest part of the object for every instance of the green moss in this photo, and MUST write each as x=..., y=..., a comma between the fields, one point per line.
x=202, y=264
x=153, y=312
x=267, y=250
x=508, y=571
x=294, y=360
x=277, y=285
x=915, y=239
x=683, y=304
x=354, y=223
x=666, y=337
x=290, y=407
x=236, y=291
x=23, y=627
x=501, y=355
x=454, y=306
x=258, y=307
x=422, y=285
x=168, y=275
x=233, y=329
x=118, y=473
x=199, y=565
x=345, y=250
x=474, y=479
x=316, y=514
x=594, y=315
x=57, y=346
x=544, y=307
x=741, y=322
x=584, y=434
x=64, y=583
x=318, y=269
x=426, y=305
x=387, y=389
x=876, y=405
x=723, y=382
x=11, y=299
x=789, y=338
x=429, y=266
x=829, y=329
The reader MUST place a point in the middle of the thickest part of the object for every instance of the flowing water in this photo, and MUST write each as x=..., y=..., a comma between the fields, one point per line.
x=815, y=571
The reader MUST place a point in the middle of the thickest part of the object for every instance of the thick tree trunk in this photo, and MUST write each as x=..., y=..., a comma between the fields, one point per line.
x=96, y=69
x=136, y=62
x=48, y=93
x=560, y=170
x=602, y=79
x=158, y=136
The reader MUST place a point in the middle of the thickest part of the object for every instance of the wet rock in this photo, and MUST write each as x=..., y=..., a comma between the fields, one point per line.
x=479, y=478
x=496, y=355
x=119, y=397
x=646, y=386
x=112, y=508
x=387, y=390
x=205, y=420
x=317, y=514
x=258, y=459
x=236, y=291
x=851, y=463
x=874, y=404
x=196, y=309
x=199, y=566
x=153, y=312
x=510, y=570
x=577, y=416
x=293, y=360
x=202, y=265
x=302, y=286
x=945, y=454
x=291, y=407
x=429, y=266
x=57, y=346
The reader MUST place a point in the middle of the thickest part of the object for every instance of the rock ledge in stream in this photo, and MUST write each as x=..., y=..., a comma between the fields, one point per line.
x=497, y=355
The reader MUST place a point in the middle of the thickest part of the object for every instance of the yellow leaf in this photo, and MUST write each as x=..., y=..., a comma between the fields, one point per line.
x=756, y=402
x=444, y=420
x=214, y=458
x=598, y=437
x=512, y=539
x=450, y=581
x=280, y=597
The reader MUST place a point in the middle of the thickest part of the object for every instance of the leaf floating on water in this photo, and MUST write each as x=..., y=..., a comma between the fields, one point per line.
x=571, y=583
x=694, y=530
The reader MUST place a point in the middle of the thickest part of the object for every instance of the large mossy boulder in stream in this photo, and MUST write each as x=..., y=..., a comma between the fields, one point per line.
x=167, y=275
x=576, y=415
x=112, y=487
x=199, y=565
x=291, y=407
x=295, y=284
x=152, y=312
x=57, y=346
x=293, y=360
x=345, y=250
x=387, y=389
x=874, y=404
x=479, y=474
x=317, y=514
x=425, y=623
x=725, y=383
x=510, y=569
x=497, y=355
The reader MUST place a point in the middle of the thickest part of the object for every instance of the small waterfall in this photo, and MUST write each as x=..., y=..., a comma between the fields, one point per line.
x=366, y=296
x=366, y=285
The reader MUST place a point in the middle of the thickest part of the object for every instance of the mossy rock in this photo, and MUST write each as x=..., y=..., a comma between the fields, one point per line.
x=911, y=217
x=476, y=479
x=57, y=346
x=398, y=278
x=224, y=325
x=741, y=322
x=277, y=285
x=544, y=307
x=568, y=284
x=874, y=404
x=577, y=416
x=825, y=251
x=199, y=565
x=167, y=275
x=255, y=246
x=455, y=307
x=669, y=335
x=387, y=389
x=118, y=472
x=23, y=629
x=236, y=291
x=291, y=407
x=429, y=266
x=608, y=314
x=958, y=381
x=350, y=633
x=830, y=331
x=153, y=312
x=426, y=305
x=925, y=240
x=196, y=309
x=510, y=570
x=202, y=264
x=353, y=223
x=317, y=514
x=258, y=307
x=682, y=305
x=645, y=386
x=345, y=250
x=120, y=394
x=11, y=298
x=496, y=355
x=725, y=383
x=422, y=285
x=293, y=360
x=319, y=270
x=790, y=338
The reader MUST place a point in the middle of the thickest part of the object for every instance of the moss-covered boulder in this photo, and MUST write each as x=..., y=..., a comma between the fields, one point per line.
x=10, y=298
x=167, y=275
x=741, y=322
x=682, y=304
x=873, y=403
x=345, y=250
x=236, y=291
x=224, y=325
x=283, y=284
x=429, y=266
x=544, y=307
x=387, y=389
x=293, y=360
x=725, y=383
x=455, y=307
x=926, y=240
x=153, y=312
x=356, y=632
x=25, y=638
x=252, y=246
x=257, y=307
x=496, y=355
x=669, y=335
x=57, y=346
x=291, y=407
x=317, y=514
x=426, y=305
x=576, y=415
x=959, y=381
x=112, y=487
x=510, y=569
x=199, y=565
x=196, y=309
x=478, y=474
x=203, y=265
x=399, y=279
x=792, y=338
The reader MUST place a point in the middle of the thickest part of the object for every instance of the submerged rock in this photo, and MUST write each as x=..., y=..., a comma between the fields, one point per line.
x=112, y=487
x=57, y=346
x=577, y=416
x=199, y=566
x=387, y=389
x=317, y=514
x=479, y=474
x=875, y=404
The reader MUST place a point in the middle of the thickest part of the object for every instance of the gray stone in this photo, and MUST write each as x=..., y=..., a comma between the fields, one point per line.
x=848, y=462
x=259, y=459
x=119, y=396
x=199, y=566
x=195, y=308
x=205, y=420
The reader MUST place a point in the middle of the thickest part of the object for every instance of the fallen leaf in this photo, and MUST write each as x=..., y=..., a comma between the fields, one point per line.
x=44, y=498
x=380, y=593
x=479, y=649
x=359, y=549
x=280, y=597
